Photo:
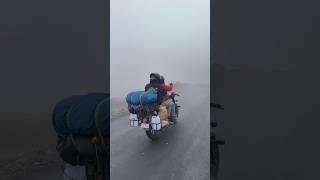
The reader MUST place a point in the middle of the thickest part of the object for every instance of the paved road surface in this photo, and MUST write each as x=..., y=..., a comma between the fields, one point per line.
x=270, y=124
x=182, y=153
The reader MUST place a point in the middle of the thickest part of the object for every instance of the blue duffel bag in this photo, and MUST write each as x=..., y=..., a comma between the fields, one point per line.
x=133, y=98
x=82, y=115
x=141, y=98
x=148, y=98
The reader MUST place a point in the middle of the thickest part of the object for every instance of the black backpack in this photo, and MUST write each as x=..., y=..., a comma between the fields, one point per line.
x=157, y=89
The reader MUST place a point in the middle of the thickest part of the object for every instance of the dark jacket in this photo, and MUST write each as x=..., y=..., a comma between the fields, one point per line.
x=160, y=90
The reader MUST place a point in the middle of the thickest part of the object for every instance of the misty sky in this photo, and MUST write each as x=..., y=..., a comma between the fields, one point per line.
x=274, y=34
x=51, y=50
x=171, y=37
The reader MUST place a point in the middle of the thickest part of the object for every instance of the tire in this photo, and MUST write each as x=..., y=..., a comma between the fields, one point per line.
x=174, y=120
x=177, y=112
x=152, y=135
x=214, y=160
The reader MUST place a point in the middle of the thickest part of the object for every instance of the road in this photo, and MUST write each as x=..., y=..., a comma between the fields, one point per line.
x=182, y=153
x=270, y=124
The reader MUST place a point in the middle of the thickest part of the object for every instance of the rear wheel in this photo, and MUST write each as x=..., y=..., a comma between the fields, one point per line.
x=152, y=134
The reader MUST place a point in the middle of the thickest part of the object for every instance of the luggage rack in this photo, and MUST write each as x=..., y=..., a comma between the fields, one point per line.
x=155, y=124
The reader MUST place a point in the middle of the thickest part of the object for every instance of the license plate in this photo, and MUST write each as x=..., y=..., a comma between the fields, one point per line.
x=145, y=126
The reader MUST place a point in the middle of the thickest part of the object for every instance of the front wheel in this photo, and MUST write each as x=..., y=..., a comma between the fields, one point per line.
x=177, y=110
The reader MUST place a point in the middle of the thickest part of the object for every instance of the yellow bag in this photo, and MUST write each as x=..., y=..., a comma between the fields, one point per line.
x=163, y=108
x=164, y=123
x=163, y=113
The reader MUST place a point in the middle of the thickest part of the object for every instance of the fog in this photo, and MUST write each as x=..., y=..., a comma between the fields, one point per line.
x=170, y=37
x=270, y=34
x=50, y=51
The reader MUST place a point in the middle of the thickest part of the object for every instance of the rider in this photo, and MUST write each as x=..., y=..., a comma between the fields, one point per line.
x=156, y=86
x=166, y=87
x=168, y=102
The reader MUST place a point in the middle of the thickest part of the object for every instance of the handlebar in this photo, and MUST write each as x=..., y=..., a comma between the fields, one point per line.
x=174, y=94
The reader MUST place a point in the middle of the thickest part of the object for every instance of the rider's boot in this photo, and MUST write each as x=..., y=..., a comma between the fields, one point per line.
x=171, y=120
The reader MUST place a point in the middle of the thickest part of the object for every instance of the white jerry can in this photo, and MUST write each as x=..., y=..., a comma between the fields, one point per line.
x=156, y=122
x=133, y=120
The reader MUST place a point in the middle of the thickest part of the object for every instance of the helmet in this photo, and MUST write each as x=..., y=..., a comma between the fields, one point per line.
x=161, y=79
x=155, y=77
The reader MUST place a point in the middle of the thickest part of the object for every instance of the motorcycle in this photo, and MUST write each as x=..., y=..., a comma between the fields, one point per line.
x=148, y=118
